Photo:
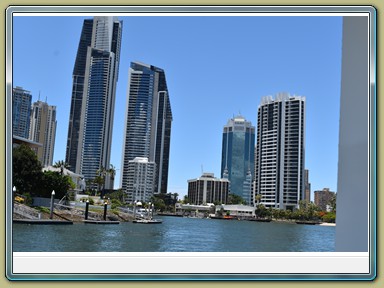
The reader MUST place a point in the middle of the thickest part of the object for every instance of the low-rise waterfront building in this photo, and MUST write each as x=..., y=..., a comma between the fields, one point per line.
x=17, y=141
x=77, y=179
x=192, y=209
x=235, y=210
x=208, y=189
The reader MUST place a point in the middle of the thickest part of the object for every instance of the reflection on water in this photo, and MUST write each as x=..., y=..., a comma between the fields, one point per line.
x=175, y=235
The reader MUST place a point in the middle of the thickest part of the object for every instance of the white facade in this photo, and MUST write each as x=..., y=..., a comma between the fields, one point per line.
x=76, y=178
x=141, y=180
x=237, y=210
x=279, y=155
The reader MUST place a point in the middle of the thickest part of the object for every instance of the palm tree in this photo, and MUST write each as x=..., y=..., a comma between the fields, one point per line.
x=258, y=198
x=112, y=172
x=100, y=178
x=61, y=164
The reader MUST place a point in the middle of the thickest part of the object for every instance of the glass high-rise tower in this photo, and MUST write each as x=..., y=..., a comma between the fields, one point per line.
x=93, y=96
x=280, y=153
x=21, y=112
x=147, y=123
x=237, y=160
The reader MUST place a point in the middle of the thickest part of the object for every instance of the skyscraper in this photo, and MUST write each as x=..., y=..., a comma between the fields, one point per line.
x=279, y=169
x=323, y=198
x=43, y=130
x=307, y=186
x=93, y=96
x=141, y=179
x=147, y=122
x=21, y=112
x=237, y=160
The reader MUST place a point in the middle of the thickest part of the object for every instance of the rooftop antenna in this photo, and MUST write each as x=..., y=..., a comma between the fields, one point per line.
x=39, y=95
x=202, y=170
x=46, y=99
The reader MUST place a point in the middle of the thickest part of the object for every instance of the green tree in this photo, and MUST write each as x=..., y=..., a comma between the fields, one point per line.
x=329, y=217
x=26, y=170
x=52, y=180
x=61, y=163
x=307, y=211
x=235, y=199
x=332, y=203
x=261, y=211
x=159, y=204
x=115, y=203
x=118, y=195
x=186, y=199
x=112, y=172
x=99, y=179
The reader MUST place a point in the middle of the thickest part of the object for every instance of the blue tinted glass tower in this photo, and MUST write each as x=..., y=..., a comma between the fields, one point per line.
x=21, y=112
x=148, y=123
x=93, y=96
x=237, y=159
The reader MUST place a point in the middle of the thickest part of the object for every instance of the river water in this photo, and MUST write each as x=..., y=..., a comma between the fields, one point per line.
x=175, y=234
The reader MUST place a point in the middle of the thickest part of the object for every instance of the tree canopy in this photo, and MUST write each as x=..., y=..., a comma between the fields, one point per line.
x=235, y=199
x=28, y=178
x=26, y=170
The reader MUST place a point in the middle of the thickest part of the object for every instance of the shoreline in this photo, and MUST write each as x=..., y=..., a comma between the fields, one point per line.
x=327, y=224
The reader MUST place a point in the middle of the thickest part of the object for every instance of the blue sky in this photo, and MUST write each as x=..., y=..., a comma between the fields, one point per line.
x=216, y=67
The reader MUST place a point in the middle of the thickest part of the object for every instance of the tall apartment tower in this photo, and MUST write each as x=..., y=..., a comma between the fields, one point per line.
x=148, y=122
x=21, y=112
x=95, y=75
x=141, y=179
x=279, y=169
x=323, y=198
x=237, y=160
x=43, y=130
x=307, y=186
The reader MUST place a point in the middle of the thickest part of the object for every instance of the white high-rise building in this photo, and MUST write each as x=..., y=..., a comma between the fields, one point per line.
x=43, y=130
x=141, y=180
x=280, y=153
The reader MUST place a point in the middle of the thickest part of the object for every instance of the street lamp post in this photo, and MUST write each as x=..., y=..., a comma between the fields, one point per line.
x=13, y=198
x=52, y=199
x=86, y=210
x=105, y=210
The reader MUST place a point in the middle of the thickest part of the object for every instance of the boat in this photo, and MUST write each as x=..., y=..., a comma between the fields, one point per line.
x=148, y=221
